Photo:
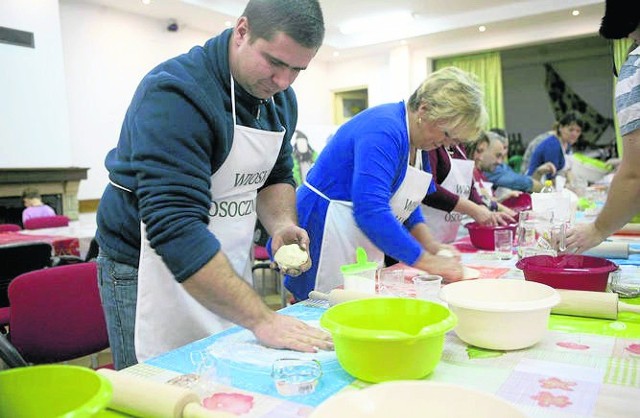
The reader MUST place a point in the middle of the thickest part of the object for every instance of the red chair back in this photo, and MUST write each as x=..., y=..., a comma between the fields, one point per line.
x=46, y=222
x=56, y=314
x=9, y=228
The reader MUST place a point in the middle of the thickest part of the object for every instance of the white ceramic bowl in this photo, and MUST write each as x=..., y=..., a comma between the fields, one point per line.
x=500, y=314
x=416, y=399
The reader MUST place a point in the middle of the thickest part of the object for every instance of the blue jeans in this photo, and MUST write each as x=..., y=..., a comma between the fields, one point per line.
x=118, y=285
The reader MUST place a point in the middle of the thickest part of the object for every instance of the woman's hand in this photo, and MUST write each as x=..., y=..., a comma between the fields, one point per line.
x=448, y=267
x=446, y=250
x=485, y=217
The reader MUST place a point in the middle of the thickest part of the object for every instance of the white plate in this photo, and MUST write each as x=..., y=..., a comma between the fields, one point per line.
x=416, y=399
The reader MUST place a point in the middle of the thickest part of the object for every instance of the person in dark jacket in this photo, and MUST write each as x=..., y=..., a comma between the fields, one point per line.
x=203, y=153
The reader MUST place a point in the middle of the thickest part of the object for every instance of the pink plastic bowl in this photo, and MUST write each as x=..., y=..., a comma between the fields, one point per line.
x=519, y=203
x=574, y=272
x=482, y=236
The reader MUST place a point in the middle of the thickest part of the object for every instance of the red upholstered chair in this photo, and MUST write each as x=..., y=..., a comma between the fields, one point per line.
x=56, y=314
x=46, y=222
x=9, y=228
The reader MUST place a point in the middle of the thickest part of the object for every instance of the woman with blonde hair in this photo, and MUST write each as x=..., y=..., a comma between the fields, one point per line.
x=366, y=186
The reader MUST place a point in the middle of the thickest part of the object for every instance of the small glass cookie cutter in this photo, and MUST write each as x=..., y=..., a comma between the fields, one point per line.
x=296, y=377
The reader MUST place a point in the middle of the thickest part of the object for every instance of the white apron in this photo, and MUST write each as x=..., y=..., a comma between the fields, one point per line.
x=167, y=316
x=342, y=236
x=444, y=225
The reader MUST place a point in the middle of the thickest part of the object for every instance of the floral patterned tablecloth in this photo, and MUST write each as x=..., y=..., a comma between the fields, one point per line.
x=61, y=245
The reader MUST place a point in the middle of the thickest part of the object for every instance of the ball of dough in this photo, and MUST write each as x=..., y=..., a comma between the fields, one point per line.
x=445, y=253
x=291, y=256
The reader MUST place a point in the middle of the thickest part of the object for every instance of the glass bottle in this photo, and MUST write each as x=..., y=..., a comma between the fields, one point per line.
x=548, y=187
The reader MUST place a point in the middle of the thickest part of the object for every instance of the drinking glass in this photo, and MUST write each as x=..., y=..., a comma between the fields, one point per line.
x=427, y=286
x=503, y=243
x=625, y=285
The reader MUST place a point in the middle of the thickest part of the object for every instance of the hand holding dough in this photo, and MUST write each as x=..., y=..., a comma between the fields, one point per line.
x=292, y=259
x=445, y=253
x=468, y=273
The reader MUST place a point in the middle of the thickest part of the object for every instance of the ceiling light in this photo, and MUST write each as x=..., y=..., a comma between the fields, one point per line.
x=575, y=12
x=403, y=42
x=482, y=28
x=227, y=23
x=385, y=22
x=336, y=53
x=146, y=2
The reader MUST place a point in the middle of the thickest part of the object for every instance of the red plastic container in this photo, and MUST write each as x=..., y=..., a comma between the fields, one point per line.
x=519, y=203
x=482, y=236
x=574, y=272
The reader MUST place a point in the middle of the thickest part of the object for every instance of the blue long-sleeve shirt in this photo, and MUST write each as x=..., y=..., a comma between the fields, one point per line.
x=177, y=132
x=364, y=163
x=504, y=176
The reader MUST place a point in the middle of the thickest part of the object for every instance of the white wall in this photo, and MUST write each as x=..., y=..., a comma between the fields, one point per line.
x=34, y=122
x=106, y=54
x=585, y=69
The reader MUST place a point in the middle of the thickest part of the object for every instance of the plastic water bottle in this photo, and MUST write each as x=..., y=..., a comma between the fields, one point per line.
x=548, y=187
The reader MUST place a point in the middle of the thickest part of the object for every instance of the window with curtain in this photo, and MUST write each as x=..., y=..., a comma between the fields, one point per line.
x=488, y=68
x=620, y=49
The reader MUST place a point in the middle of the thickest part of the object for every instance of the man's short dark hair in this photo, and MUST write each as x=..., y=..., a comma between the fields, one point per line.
x=621, y=18
x=300, y=19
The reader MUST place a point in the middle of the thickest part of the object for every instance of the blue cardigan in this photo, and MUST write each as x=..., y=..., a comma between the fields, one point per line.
x=364, y=163
x=549, y=150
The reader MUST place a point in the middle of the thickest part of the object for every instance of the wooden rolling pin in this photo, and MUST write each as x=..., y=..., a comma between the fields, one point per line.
x=337, y=296
x=141, y=397
x=629, y=229
x=591, y=304
x=612, y=250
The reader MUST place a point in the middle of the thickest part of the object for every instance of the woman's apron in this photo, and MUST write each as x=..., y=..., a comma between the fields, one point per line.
x=342, y=236
x=444, y=225
x=167, y=316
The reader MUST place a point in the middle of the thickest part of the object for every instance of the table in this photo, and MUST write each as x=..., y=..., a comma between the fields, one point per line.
x=81, y=232
x=582, y=368
x=62, y=245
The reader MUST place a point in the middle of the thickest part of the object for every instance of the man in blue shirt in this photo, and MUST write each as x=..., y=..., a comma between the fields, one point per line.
x=502, y=175
x=204, y=150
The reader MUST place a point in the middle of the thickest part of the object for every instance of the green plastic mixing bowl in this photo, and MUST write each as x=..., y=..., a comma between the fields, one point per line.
x=381, y=339
x=53, y=391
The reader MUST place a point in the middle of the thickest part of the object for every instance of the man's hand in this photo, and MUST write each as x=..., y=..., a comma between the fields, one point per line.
x=292, y=235
x=287, y=332
x=583, y=237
